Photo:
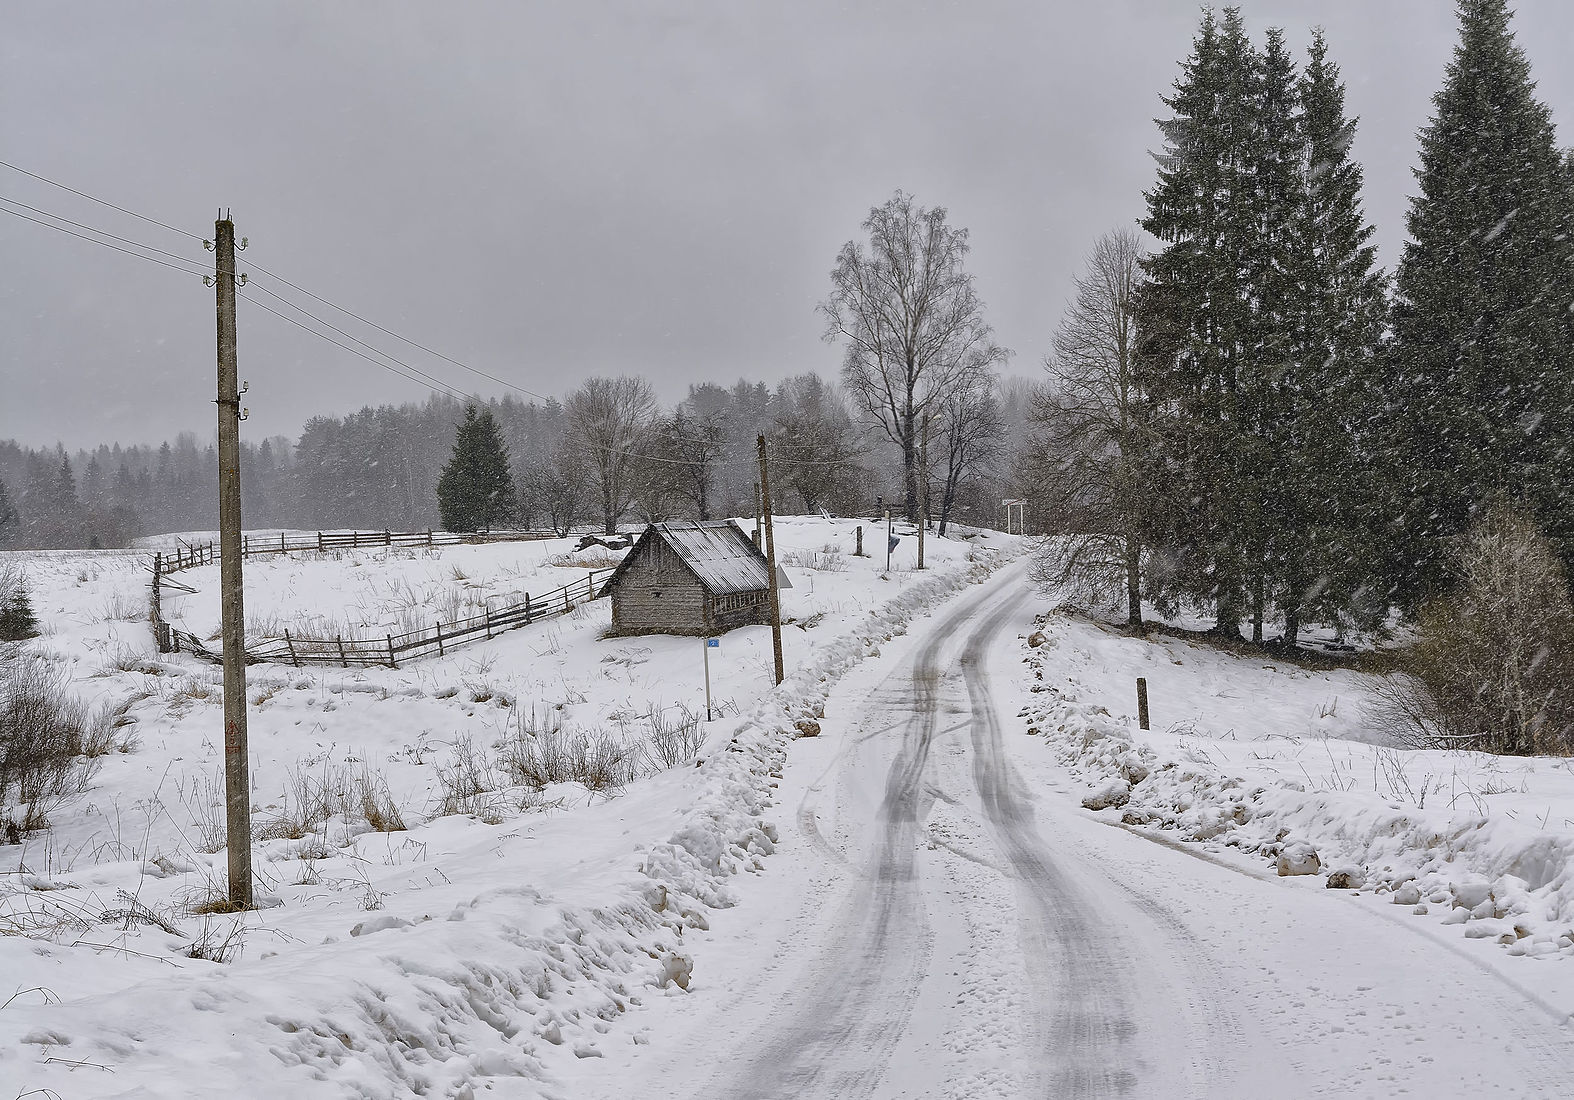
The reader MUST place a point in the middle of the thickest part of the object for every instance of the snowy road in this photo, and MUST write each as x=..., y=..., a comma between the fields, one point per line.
x=946, y=921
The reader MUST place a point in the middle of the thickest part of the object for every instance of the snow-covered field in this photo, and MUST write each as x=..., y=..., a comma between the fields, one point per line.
x=568, y=817
x=1249, y=755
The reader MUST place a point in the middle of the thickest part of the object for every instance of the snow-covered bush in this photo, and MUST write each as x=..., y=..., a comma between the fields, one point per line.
x=1493, y=666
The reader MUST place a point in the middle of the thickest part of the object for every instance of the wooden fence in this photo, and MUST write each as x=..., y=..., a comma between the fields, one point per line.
x=346, y=652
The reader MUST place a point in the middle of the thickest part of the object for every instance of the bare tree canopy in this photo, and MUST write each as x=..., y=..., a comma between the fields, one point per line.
x=1088, y=424
x=912, y=323
x=609, y=419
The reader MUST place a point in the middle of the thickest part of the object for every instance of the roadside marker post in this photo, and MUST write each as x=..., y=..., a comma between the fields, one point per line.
x=1142, y=702
x=710, y=644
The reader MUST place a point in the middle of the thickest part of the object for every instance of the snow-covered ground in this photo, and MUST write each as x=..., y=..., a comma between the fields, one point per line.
x=508, y=928
x=914, y=902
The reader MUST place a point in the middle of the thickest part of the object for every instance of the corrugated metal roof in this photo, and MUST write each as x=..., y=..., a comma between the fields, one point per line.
x=724, y=559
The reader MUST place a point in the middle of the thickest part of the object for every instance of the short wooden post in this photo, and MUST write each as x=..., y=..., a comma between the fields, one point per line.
x=343, y=661
x=428, y=536
x=319, y=542
x=387, y=538
x=859, y=552
x=440, y=639
x=391, y=662
x=294, y=659
x=566, y=605
x=527, y=608
x=487, y=608
x=281, y=542
x=245, y=546
x=1142, y=703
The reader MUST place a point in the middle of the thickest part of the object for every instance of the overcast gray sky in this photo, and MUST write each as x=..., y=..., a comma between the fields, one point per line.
x=550, y=191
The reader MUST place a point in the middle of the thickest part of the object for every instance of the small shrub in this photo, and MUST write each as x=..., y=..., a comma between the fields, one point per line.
x=377, y=803
x=1492, y=667
x=45, y=738
x=675, y=741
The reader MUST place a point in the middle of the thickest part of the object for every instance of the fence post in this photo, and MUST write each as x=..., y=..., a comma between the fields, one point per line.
x=440, y=639
x=319, y=542
x=428, y=536
x=342, y=660
x=387, y=537
x=1142, y=702
x=294, y=660
x=488, y=609
x=391, y=662
x=155, y=605
x=281, y=542
x=245, y=546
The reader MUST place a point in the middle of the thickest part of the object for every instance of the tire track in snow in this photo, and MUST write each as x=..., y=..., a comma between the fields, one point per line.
x=856, y=1005
x=1085, y=1037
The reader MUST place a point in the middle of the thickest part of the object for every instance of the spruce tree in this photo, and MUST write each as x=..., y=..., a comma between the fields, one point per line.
x=1324, y=552
x=10, y=519
x=1196, y=325
x=17, y=621
x=476, y=489
x=1481, y=378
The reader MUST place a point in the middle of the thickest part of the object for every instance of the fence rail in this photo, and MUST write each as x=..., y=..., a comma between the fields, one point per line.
x=346, y=652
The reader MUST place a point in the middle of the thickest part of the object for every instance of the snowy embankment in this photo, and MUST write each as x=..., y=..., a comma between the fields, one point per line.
x=1277, y=761
x=500, y=942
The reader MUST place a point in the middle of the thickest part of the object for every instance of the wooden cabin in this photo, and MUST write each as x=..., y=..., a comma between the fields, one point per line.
x=690, y=578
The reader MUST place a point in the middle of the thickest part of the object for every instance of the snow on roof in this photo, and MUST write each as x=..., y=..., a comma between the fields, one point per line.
x=725, y=560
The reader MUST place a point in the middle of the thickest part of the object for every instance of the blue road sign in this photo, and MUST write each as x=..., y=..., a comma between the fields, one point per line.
x=713, y=643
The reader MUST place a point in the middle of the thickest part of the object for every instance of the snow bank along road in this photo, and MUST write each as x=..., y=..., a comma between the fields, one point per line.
x=945, y=921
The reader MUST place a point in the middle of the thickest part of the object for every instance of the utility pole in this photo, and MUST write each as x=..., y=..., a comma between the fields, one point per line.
x=237, y=785
x=770, y=563
x=757, y=512
x=923, y=490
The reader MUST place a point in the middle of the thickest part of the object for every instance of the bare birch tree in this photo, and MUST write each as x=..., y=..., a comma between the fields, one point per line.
x=912, y=323
x=608, y=420
x=1085, y=456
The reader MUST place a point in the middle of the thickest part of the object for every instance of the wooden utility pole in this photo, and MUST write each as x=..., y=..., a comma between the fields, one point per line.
x=770, y=563
x=237, y=784
x=923, y=490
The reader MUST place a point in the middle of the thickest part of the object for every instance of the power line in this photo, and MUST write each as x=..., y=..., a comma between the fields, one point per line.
x=350, y=336
x=105, y=244
x=401, y=339
x=101, y=202
x=415, y=374
x=100, y=232
x=442, y=392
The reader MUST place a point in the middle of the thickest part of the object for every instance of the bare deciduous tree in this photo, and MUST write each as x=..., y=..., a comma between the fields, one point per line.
x=1085, y=457
x=1492, y=667
x=608, y=420
x=969, y=431
x=912, y=322
x=815, y=443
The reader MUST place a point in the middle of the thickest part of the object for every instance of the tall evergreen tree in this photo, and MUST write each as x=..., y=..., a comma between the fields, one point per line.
x=1481, y=386
x=1324, y=555
x=1196, y=323
x=476, y=489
